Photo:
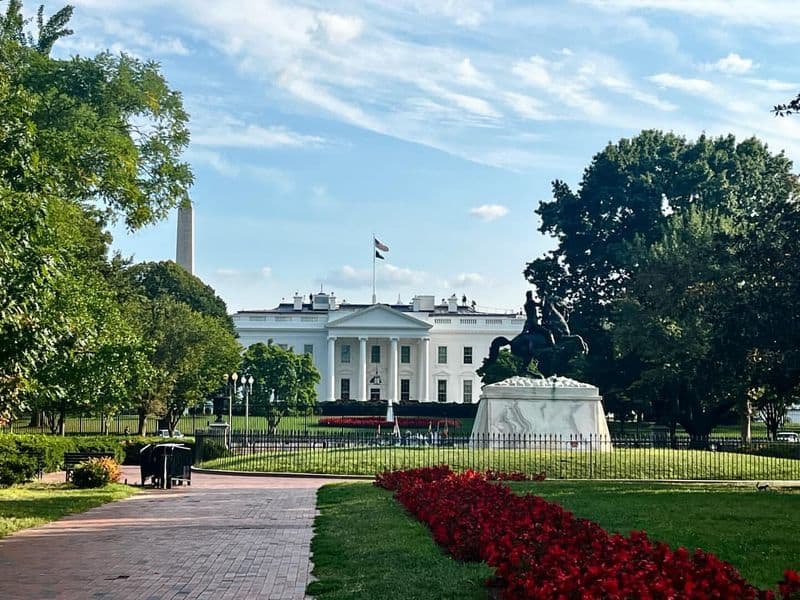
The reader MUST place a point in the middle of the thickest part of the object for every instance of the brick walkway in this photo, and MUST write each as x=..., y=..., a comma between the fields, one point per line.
x=223, y=537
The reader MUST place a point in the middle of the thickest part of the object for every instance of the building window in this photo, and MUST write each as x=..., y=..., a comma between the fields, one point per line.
x=375, y=394
x=345, y=389
x=405, y=387
x=345, y=353
x=308, y=349
x=441, y=357
x=405, y=355
x=376, y=354
x=467, y=355
x=441, y=390
x=467, y=391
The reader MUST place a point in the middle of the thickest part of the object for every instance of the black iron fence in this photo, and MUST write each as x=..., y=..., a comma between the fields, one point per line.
x=558, y=457
x=93, y=425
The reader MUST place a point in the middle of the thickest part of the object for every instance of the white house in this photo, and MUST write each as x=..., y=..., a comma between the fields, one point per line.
x=420, y=351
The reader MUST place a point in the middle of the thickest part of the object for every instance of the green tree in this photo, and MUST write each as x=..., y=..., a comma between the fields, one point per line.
x=168, y=279
x=623, y=206
x=281, y=376
x=507, y=365
x=82, y=142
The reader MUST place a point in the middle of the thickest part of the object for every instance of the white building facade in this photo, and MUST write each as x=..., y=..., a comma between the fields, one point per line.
x=422, y=351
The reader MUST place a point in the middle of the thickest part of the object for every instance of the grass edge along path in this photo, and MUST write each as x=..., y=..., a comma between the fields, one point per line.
x=366, y=546
x=757, y=532
x=34, y=504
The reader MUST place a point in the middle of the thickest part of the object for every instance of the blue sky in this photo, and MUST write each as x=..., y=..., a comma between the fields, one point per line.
x=437, y=125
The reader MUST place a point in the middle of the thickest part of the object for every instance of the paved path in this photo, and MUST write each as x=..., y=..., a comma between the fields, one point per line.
x=223, y=537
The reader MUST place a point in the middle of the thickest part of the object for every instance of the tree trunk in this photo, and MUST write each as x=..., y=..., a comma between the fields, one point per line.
x=142, y=431
x=747, y=416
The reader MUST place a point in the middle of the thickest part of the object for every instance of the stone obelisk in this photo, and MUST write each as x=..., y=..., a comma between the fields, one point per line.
x=184, y=251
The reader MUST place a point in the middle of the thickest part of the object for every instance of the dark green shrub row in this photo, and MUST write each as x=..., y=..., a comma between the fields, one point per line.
x=402, y=409
x=21, y=456
x=213, y=450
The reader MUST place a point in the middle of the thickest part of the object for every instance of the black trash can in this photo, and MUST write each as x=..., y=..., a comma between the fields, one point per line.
x=165, y=463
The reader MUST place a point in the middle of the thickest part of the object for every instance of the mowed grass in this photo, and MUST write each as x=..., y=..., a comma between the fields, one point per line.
x=36, y=503
x=757, y=532
x=366, y=546
x=633, y=463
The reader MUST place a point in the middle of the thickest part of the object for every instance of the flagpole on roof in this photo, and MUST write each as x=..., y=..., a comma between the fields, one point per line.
x=374, y=256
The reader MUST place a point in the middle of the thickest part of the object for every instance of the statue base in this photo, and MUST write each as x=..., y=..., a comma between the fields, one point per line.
x=555, y=413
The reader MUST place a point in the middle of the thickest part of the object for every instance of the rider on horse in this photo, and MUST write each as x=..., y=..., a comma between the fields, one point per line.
x=532, y=324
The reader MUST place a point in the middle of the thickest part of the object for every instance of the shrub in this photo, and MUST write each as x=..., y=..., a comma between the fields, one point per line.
x=17, y=468
x=96, y=472
x=214, y=450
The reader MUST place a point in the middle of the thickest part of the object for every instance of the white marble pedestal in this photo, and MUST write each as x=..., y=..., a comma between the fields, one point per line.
x=555, y=413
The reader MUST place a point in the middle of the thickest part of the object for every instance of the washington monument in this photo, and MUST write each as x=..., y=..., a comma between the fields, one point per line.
x=184, y=251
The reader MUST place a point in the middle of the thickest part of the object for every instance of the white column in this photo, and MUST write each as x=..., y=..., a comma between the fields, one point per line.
x=393, y=395
x=363, y=393
x=425, y=359
x=331, y=368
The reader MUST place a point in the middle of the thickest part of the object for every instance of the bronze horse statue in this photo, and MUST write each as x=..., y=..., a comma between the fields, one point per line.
x=537, y=345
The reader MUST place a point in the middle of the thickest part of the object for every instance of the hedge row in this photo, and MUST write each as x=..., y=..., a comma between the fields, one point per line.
x=21, y=456
x=403, y=409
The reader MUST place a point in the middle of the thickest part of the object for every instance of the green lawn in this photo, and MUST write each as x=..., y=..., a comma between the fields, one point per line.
x=365, y=546
x=37, y=503
x=634, y=463
x=758, y=532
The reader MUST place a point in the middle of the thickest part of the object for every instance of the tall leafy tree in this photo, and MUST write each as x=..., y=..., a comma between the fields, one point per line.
x=281, y=376
x=102, y=136
x=168, y=279
x=623, y=206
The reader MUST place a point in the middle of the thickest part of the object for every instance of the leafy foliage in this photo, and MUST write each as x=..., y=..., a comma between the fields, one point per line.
x=96, y=472
x=660, y=257
x=281, y=376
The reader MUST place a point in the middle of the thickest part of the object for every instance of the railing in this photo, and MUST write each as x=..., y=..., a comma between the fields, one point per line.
x=559, y=457
x=116, y=425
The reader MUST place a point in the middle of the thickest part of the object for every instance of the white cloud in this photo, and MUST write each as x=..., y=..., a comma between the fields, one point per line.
x=212, y=159
x=349, y=277
x=276, y=178
x=469, y=75
x=785, y=13
x=732, y=64
x=266, y=272
x=526, y=107
x=226, y=131
x=684, y=84
x=534, y=71
x=339, y=28
x=625, y=87
x=489, y=212
x=225, y=272
x=469, y=279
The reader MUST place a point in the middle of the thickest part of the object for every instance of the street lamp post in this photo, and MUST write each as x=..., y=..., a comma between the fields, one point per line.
x=247, y=387
x=230, y=380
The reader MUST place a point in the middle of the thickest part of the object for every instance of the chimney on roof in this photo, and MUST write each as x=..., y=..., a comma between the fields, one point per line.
x=298, y=301
x=452, y=304
x=332, y=302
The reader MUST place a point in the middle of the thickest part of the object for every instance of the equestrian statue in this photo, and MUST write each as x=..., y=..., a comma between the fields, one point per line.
x=550, y=341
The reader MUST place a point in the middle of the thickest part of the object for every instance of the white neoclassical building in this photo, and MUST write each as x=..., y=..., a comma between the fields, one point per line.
x=421, y=351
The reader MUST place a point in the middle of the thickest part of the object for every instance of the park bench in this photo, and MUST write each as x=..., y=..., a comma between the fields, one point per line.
x=73, y=459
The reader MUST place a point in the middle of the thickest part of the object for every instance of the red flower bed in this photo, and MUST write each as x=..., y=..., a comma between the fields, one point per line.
x=539, y=550
x=373, y=422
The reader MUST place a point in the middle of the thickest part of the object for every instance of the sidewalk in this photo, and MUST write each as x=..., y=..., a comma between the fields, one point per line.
x=223, y=537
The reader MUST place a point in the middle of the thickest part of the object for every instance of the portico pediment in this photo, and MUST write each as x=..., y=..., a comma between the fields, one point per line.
x=379, y=317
